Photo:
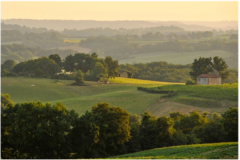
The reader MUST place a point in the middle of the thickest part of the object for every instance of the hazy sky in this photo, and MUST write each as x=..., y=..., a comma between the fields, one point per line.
x=122, y=10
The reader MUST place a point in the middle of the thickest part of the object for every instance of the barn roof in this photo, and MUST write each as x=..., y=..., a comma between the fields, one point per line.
x=208, y=76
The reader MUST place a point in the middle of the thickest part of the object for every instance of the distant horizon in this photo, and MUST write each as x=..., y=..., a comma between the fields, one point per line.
x=121, y=20
x=121, y=10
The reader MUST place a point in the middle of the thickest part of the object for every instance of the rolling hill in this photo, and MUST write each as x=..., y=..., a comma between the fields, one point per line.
x=198, y=151
x=120, y=92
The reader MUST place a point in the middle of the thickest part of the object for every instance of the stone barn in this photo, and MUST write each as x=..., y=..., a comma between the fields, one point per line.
x=123, y=74
x=209, y=79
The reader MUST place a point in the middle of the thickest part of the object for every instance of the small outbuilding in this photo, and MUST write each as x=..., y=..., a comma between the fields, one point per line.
x=123, y=74
x=209, y=79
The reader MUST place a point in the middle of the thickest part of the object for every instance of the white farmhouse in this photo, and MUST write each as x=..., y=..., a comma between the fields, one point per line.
x=209, y=79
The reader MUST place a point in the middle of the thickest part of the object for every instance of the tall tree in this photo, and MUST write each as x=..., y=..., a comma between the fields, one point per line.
x=99, y=71
x=148, y=131
x=41, y=130
x=8, y=65
x=5, y=100
x=39, y=67
x=56, y=58
x=230, y=121
x=112, y=66
x=69, y=63
x=114, y=128
x=165, y=130
x=220, y=65
x=84, y=137
x=207, y=65
x=201, y=66
x=79, y=77
x=133, y=145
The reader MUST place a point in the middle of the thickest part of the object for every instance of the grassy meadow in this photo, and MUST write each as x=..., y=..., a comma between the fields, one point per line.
x=227, y=150
x=173, y=57
x=120, y=92
x=214, y=98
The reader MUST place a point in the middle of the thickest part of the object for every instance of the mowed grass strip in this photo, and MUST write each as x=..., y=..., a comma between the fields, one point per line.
x=227, y=150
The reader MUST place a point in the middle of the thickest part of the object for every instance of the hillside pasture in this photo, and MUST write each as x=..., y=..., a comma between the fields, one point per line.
x=79, y=98
x=120, y=92
x=166, y=106
x=228, y=150
x=189, y=98
x=173, y=57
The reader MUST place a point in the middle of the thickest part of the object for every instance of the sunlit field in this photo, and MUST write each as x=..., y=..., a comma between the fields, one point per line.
x=197, y=151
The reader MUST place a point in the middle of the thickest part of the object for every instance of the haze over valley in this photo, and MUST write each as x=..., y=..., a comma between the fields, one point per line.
x=119, y=79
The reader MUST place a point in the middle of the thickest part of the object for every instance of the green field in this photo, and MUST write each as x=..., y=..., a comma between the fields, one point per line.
x=173, y=57
x=120, y=92
x=217, y=92
x=227, y=150
x=189, y=98
x=82, y=98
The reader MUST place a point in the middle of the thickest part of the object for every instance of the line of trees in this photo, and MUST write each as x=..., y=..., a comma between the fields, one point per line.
x=207, y=65
x=122, y=45
x=37, y=130
x=91, y=66
x=95, y=68
x=20, y=53
x=48, y=39
x=163, y=71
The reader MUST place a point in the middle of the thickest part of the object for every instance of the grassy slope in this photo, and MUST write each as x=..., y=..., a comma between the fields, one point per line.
x=84, y=97
x=197, y=98
x=122, y=93
x=174, y=57
x=227, y=150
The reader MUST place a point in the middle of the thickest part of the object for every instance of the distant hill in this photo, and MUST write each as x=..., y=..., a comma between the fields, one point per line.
x=84, y=24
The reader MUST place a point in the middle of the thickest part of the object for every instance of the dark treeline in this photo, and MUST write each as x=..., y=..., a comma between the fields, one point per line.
x=165, y=30
x=121, y=31
x=158, y=71
x=112, y=32
x=122, y=47
x=22, y=29
x=19, y=52
x=45, y=131
x=48, y=39
x=163, y=71
x=95, y=68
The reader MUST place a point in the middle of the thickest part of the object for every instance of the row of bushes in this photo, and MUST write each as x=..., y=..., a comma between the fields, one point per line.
x=152, y=90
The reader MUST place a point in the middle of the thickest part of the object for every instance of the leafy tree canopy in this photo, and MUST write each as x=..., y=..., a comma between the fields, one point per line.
x=208, y=65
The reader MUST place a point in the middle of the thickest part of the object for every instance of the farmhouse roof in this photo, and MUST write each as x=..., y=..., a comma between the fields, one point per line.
x=208, y=76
